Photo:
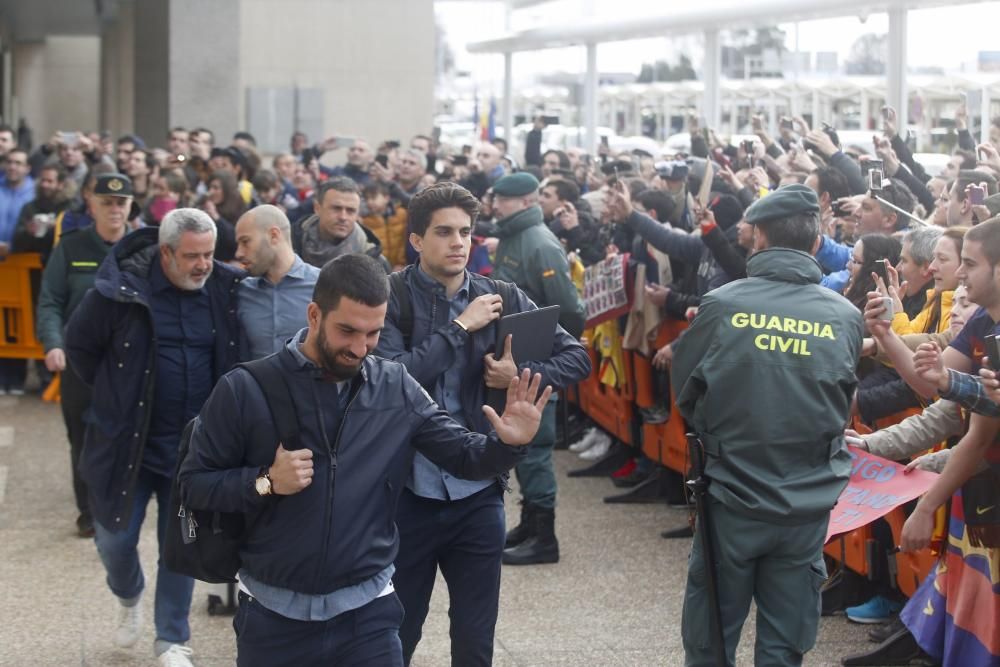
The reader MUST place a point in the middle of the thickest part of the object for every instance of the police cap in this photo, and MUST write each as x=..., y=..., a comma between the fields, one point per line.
x=516, y=185
x=784, y=202
x=116, y=185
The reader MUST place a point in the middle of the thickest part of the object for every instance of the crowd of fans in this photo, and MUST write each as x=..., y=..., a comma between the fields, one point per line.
x=890, y=228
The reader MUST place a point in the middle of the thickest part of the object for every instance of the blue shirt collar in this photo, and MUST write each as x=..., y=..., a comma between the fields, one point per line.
x=426, y=282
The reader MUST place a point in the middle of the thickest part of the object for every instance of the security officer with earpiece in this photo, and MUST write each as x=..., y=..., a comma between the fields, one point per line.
x=765, y=377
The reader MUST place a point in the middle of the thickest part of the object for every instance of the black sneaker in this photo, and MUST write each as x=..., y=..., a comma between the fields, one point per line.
x=84, y=527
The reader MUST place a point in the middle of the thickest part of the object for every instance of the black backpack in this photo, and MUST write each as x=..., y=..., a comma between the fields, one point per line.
x=397, y=283
x=204, y=544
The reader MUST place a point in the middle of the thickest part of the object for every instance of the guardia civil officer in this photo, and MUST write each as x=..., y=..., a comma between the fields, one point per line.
x=530, y=256
x=69, y=274
x=765, y=377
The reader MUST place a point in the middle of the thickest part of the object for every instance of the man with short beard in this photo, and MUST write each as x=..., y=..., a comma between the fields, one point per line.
x=273, y=300
x=35, y=231
x=151, y=339
x=317, y=557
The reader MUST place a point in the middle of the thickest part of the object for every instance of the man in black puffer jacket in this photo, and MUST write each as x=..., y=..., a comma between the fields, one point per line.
x=151, y=339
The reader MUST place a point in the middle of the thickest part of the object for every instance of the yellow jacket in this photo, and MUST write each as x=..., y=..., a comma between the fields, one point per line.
x=391, y=233
x=902, y=324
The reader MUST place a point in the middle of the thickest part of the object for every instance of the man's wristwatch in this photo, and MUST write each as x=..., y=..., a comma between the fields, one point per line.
x=263, y=482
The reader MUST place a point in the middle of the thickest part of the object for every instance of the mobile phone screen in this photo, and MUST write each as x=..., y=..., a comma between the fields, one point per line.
x=993, y=351
x=882, y=272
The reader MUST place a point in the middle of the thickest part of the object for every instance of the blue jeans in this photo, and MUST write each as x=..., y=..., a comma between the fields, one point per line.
x=465, y=539
x=121, y=561
x=365, y=636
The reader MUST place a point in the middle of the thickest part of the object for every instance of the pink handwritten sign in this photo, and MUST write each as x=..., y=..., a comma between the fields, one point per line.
x=877, y=486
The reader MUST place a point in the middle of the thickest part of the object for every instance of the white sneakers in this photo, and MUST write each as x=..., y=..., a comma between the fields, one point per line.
x=598, y=447
x=176, y=656
x=129, y=625
x=584, y=443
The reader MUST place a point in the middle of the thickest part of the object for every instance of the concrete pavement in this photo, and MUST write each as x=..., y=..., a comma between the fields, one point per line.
x=614, y=599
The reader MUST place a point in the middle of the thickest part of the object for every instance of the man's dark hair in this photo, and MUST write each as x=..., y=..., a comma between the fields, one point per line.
x=178, y=128
x=53, y=165
x=833, y=182
x=356, y=276
x=897, y=194
x=658, y=201
x=340, y=184
x=636, y=186
x=245, y=136
x=204, y=130
x=497, y=141
x=564, y=174
x=797, y=232
x=967, y=177
x=148, y=158
x=429, y=140
x=439, y=196
x=4, y=127
x=565, y=190
x=18, y=149
x=264, y=180
x=374, y=188
x=563, y=158
x=987, y=234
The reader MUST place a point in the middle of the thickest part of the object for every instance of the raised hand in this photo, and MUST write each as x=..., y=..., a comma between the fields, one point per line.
x=929, y=365
x=520, y=419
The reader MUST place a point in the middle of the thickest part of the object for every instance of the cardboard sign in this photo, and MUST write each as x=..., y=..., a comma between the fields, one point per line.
x=877, y=486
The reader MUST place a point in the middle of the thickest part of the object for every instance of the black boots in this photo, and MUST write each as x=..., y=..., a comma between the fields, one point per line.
x=899, y=648
x=525, y=529
x=541, y=547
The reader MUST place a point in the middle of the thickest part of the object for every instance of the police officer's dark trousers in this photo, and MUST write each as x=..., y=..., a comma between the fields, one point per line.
x=778, y=566
x=75, y=400
x=535, y=472
x=357, y=638
x=465, y=538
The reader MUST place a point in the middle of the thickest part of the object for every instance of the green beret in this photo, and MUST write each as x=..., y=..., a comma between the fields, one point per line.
x=116, y=185
x=782, y=203
x=516, y=185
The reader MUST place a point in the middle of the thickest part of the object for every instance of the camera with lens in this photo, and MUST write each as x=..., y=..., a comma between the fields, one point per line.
x=672, y=170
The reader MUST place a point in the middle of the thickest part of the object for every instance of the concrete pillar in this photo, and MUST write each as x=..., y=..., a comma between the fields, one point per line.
x=590, y=99
x=206, y=93
x=117, y=108
x=178, y=81
x=896, y=66
x=613, y=102
x=712, y=77
x=507, y=113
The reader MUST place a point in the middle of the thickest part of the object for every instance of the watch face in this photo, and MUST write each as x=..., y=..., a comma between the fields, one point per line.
x=263, y=485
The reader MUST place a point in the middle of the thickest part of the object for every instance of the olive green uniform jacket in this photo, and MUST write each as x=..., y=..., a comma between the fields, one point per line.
x=765, y=376
x=530, y=256
x=68, y=275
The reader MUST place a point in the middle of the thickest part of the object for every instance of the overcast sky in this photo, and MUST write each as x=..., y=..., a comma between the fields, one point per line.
x=945, y=37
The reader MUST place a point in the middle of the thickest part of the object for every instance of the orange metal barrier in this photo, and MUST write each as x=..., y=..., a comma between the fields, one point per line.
x=18, y=340
x=613, y=409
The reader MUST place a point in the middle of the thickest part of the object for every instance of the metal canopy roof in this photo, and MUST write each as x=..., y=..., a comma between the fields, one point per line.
x=721, y=16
